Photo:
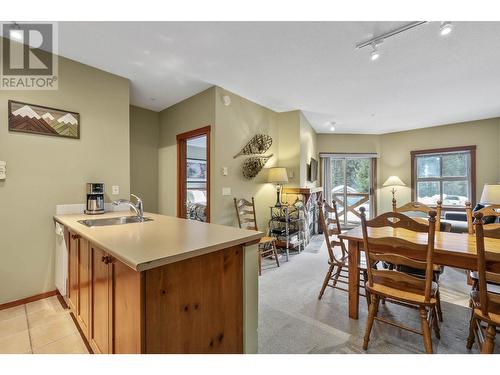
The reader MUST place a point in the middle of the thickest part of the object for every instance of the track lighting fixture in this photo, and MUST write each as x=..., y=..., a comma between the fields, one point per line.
x=446, y=28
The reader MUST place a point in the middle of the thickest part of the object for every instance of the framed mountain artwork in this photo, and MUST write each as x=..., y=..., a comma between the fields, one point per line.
x=36, y=119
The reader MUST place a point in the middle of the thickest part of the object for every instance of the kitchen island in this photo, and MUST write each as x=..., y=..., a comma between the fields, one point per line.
x=167, y=285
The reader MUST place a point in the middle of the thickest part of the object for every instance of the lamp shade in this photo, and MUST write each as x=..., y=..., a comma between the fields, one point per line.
x=394, y=181
x=277, y=175
x=491, y=194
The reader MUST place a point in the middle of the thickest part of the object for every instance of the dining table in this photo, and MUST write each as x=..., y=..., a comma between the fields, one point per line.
x=450, y=249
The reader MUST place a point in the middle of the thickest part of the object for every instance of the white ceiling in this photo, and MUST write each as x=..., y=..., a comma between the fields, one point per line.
x=420, y=80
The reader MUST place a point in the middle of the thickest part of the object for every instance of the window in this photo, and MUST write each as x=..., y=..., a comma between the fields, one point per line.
x=446, y=174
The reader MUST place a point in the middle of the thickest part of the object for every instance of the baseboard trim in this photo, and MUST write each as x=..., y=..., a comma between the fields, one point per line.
x=85, y=341
x=22, y=301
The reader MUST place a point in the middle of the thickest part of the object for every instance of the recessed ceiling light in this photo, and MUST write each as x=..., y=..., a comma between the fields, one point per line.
x=446, y=28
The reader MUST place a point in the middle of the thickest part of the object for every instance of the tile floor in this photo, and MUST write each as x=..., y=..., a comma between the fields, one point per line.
x=40, y=327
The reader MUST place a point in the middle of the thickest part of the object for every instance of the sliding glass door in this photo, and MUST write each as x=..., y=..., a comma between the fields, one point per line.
x=351, y=186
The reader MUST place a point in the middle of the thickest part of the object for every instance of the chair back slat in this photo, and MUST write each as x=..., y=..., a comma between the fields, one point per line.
x=397, y=220
x=495, y=298
x=330, y=224
x=491, y=230
x=397, y=250
x=420, y=207
x=396, y=243
x=245, y=213
x=245, y=220
x=329, y=221
x=487, y=262
x=410, y=283
x=398, y=260
x=330, y=209
x=492, y=277
x=333, y=232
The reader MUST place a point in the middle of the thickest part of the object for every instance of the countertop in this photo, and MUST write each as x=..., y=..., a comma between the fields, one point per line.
x=165, y=240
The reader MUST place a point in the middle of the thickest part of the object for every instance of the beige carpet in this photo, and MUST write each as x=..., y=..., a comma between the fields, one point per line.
x=293, y=320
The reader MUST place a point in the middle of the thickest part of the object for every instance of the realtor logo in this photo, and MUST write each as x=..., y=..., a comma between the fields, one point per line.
x=29, y=58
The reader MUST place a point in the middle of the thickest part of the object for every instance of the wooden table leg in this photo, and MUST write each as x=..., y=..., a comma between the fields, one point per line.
x=353, y=279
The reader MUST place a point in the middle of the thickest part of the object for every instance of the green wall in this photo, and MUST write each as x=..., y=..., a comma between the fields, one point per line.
x=44, y=171
x=144, y=141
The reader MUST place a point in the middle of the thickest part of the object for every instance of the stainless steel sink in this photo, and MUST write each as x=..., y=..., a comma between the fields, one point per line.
x=113, y=221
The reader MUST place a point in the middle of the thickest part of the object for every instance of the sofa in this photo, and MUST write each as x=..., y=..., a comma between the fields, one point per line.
x=457, y=221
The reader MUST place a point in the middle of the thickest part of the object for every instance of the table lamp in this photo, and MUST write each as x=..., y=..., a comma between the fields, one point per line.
x=490, y=195
x=278, y=176
x=393, y=181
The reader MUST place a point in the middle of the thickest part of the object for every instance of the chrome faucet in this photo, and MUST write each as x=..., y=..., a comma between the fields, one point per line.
x=138, y=207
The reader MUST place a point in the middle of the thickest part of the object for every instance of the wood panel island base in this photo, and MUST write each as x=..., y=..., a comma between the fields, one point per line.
x=164, y=286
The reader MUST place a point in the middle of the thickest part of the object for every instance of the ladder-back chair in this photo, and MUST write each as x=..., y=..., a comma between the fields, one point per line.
x=489, y=220
x=416, y=207
x=337, y=261
x=420, y=207
x=485, y=319
x=395, y=286
x=247, y=219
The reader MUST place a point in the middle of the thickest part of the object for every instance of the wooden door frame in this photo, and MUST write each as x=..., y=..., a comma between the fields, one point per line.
x=181, y=170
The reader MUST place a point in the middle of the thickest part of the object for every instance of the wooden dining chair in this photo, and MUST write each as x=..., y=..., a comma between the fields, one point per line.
x=337, y=261
x=415, y=207
x=485, y=319
x=420, y=207
x=399, y=287
x=489, y=221
x=247, y=219
x=490, y=216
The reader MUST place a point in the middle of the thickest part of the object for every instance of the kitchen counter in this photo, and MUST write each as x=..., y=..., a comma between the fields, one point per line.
x=168, y=285
x=164, y=240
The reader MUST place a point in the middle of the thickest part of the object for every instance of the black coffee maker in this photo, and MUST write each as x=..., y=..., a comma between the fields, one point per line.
x=95, y=198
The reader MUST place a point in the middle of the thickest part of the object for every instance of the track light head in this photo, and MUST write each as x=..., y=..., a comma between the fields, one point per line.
x=446, y=28
x=374, y=54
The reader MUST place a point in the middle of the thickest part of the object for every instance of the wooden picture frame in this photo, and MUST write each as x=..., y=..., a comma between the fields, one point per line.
x=37, y=119
x=312, y=170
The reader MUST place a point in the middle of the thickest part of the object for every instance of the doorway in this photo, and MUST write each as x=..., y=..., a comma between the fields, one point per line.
x=351, y=183
x=193, y=175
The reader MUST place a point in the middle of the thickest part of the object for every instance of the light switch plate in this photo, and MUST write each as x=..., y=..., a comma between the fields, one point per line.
x=224, y=171
x=115, y=190
x=226, y=191
x=3, y=170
